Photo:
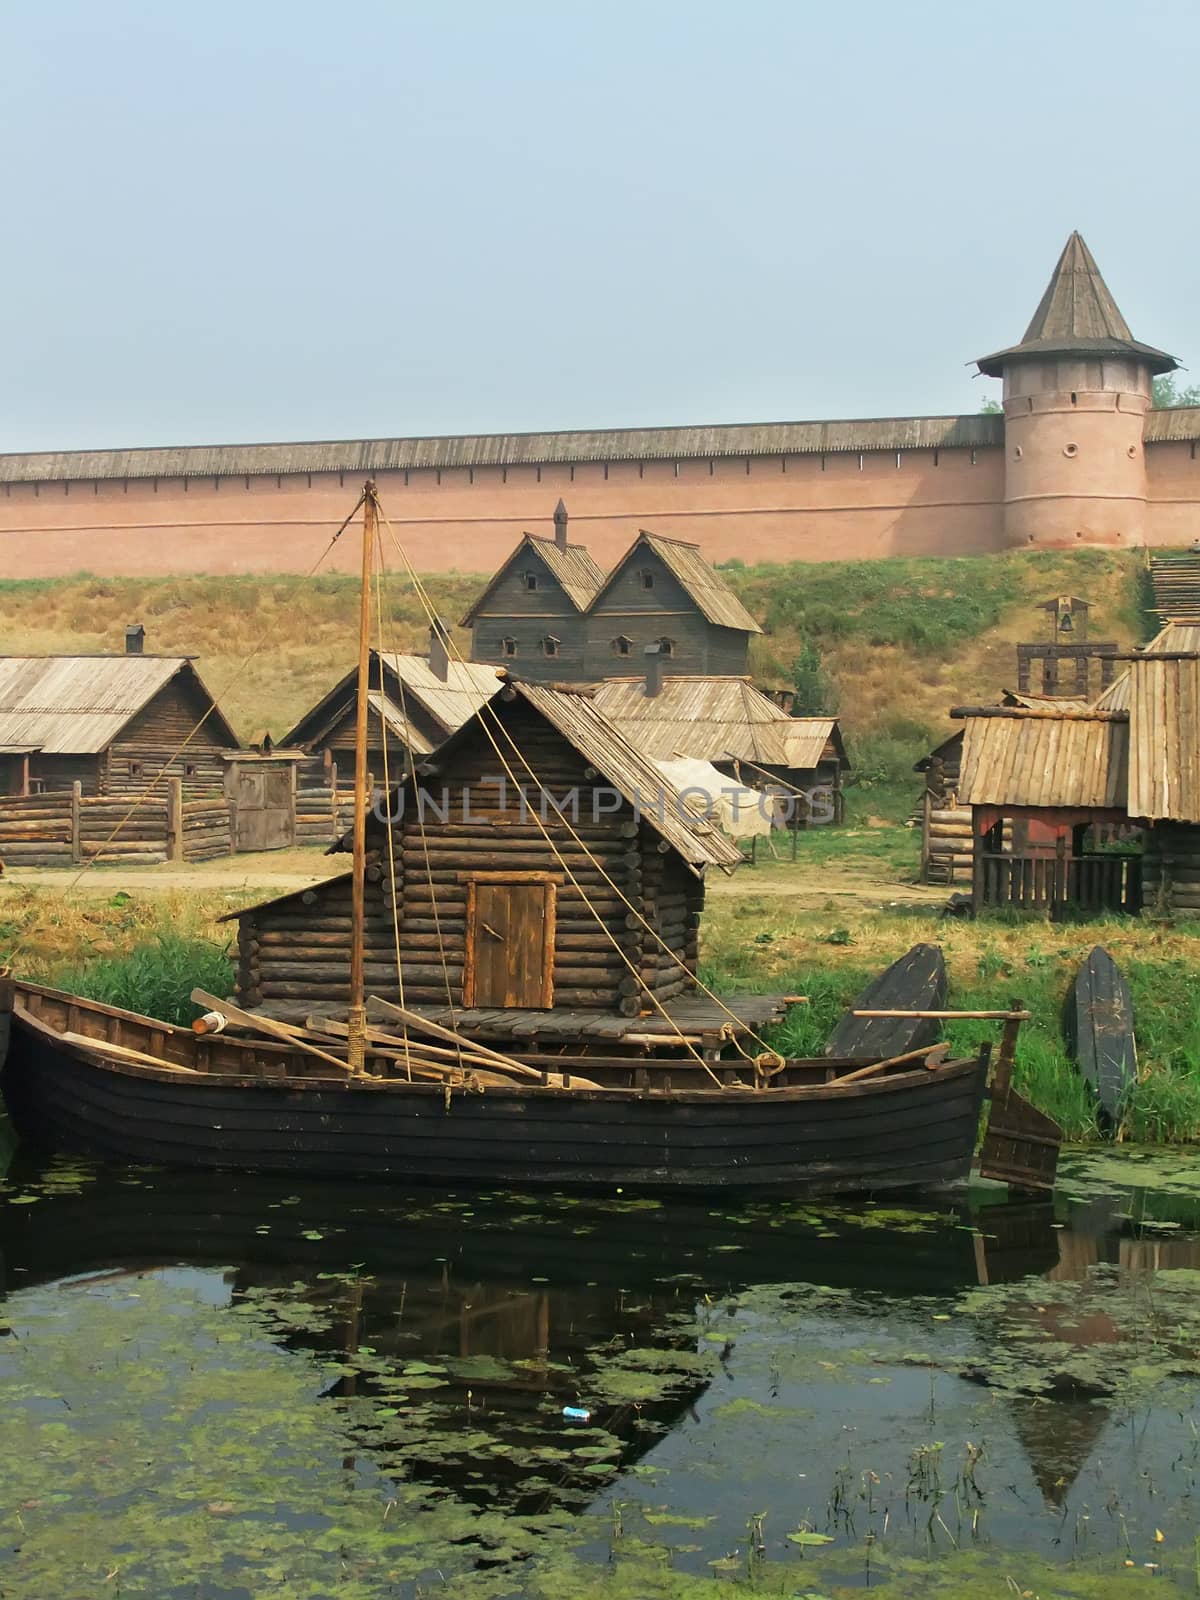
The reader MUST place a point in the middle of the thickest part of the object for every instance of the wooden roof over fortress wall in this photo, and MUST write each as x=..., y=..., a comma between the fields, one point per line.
x=977, y=431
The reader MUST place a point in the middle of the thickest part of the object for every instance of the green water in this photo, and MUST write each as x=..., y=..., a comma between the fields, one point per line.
x=220, y=1388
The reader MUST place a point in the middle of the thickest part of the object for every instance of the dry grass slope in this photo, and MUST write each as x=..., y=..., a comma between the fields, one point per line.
x=901, y=639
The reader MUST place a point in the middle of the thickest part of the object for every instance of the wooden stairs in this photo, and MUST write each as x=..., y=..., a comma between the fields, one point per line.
x=1176, y=583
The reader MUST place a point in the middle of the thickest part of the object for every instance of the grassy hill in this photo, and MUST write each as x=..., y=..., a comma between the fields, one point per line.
x=899, y=640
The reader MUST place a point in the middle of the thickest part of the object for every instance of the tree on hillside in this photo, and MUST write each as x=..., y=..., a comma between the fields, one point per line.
x=815, y=693
x=1165, y=392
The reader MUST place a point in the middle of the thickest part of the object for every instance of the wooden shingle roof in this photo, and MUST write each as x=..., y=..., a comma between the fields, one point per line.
x=367, y=456
x=1164, y=738
x=702, y=583
x=1077, y=315
x=1071, y=761
x=572, y=568
x=410, y=684
x=715, y=719
x=77, y=705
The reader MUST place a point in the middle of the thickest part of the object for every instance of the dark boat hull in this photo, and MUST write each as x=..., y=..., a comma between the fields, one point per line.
x=1100, y=1032
x=916, y=982
x=913, y=1130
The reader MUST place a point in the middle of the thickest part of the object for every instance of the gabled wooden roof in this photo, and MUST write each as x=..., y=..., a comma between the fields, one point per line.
x=77, y=705
x=1062, y=761
x=715, y=719
x=1077, y=315
x=702, y=583
x=1164, y=738
x=572, y=568
x=410, y=684
x=574, y=714
x=1174, y=638
x=634, y=776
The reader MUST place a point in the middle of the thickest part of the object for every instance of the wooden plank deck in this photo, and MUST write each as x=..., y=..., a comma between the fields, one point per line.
x=695, y=1015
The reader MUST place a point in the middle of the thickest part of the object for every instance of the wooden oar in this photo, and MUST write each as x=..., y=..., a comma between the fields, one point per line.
x=122, y=1052
x=332, y=1028
x=388, y=1008
x=978, y=1016
x=484, y=1067
x=285, y=1031
x=934, y=1056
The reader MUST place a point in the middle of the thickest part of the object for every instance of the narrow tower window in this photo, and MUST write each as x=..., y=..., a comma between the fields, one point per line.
x=508, y=647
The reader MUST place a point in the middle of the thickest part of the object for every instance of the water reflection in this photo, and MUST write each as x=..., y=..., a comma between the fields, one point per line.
x=828, y=1349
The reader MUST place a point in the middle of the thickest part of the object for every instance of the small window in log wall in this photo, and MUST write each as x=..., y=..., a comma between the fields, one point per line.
x=530, y=580
x=135, y=769
x=622, y=645
x=666, y=647
x=550, y=645
x=646, y=578
x=508, y=647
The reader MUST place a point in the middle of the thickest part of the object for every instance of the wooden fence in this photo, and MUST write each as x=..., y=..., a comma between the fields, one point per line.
x=1053, y=883
x=70, y=829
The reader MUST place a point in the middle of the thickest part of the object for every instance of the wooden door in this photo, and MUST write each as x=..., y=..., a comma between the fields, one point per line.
x=510, y=942
x=262, y=801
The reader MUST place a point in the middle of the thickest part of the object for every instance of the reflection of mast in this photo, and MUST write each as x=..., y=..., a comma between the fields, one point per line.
x=356, y=1017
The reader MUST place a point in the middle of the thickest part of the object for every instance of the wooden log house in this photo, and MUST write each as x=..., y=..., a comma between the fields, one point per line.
x=110, y=723
x=552, y=615
x=492, y=918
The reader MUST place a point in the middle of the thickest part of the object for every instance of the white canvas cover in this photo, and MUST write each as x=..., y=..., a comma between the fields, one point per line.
x=739, y=811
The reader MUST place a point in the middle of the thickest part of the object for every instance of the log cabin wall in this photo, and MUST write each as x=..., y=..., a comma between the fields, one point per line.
x=148, y=742
x=298, y=948
x=56, y=774
x=1171, y=867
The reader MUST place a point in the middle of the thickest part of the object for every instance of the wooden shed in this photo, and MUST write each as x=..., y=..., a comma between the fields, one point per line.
x=741, y=731
x=947, y=837
x=497, y=916
x=110, y=723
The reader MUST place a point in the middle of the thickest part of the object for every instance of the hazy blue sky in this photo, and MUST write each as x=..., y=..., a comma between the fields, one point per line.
x=270, y=221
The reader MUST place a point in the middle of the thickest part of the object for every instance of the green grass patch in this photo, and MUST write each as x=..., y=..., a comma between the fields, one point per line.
x=155, y=978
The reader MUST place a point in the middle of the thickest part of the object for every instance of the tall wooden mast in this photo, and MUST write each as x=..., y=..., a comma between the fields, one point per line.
x=357, y=1015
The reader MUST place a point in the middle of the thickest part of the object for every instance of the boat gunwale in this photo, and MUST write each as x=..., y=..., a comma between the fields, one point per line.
x=727, y=1095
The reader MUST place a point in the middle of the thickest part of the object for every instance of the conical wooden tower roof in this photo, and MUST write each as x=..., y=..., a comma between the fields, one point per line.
x=1077, y=315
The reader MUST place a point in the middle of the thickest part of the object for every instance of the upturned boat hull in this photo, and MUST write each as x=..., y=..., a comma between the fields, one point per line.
x=901, y=1130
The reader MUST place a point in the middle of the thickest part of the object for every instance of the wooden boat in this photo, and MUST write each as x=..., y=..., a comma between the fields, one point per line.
x=916, y=983
x=1099, y=1028
x=95, y=1081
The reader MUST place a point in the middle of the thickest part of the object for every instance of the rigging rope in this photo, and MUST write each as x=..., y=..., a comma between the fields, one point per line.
x=407, y=726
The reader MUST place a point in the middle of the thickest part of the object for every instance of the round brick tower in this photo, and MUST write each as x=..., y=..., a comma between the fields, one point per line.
x=1076, y=391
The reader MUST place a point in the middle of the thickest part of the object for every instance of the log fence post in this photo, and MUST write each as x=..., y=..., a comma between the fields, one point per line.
x=174, y=819
x=76, y=844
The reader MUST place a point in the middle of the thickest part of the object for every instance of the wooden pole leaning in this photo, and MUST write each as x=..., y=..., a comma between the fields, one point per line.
x=356, y=1016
